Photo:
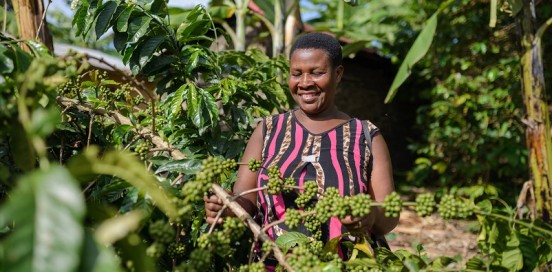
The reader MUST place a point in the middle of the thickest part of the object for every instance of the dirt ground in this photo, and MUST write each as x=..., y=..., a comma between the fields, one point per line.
x=439, y=237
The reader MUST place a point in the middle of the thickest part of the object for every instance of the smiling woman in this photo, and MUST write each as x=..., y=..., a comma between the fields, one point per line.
x=315, y=144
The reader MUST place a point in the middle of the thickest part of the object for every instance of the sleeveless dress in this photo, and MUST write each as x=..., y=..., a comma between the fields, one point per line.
x=336, y=158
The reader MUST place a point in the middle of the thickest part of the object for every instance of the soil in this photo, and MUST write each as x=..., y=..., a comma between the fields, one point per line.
x=451, y=238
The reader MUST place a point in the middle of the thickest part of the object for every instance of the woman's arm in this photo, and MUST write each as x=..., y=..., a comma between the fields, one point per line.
x=246, y=180
x=381, y=185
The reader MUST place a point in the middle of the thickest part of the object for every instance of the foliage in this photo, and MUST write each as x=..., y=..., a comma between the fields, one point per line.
x=89, y=204
x=472, y=124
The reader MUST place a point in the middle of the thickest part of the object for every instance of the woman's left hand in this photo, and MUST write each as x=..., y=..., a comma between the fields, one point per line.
x=356, y=223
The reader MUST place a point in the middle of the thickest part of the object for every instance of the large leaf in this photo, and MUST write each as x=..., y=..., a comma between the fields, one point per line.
x=23, y=152
x=291, y=239
x=417, y=51
x=6, y=63
x=210, y=106
x=97, y=258
x=176, y=100
x=105, y=15
x=126, y=166
x=148, y=48
x=186, y=166
x=137, y=28
x=122, y=20
x=46, y=210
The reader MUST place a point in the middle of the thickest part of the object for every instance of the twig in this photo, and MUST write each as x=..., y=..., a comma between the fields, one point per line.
x=248, y=192
x=4, y=26
x=90, y=129
x=43, y=18
x=61, y=149
x=274, y=223
x=176, y=181
x=250, y=222
x=219, y=214
x=126, y=76
x=120, y=119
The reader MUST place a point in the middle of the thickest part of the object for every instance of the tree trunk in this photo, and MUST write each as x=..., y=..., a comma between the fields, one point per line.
x=29, y=14
x=539, y=143
x=293, y=25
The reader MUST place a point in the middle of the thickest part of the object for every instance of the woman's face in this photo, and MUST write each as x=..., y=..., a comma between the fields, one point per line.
x=313, y=80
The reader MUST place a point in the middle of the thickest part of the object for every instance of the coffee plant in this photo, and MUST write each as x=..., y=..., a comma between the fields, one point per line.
x=104, y=174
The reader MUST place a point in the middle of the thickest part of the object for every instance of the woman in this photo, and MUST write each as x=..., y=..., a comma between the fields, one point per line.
x=315, y=142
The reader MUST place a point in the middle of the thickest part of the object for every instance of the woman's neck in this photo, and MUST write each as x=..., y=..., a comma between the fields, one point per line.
x=329, y=114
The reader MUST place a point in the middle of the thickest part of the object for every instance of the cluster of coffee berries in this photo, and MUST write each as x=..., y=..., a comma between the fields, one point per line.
x=199, y=260
x=303, y=259
x=211, y=169
x=253, y=267
x=161, y=232
x=275, y=182
x=392, y=205
x=254, y=165
x=293, y=218
x=451, y=207
x=142, y=149
x=310, y=188
x=360, y=205
x=289, y=184
x=363, y=268
x=155, y=250
x=425, y=204
x=176, y=250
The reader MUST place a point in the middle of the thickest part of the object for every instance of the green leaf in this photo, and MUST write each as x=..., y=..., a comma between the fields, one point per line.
x=116, y=228
x=159, y=8
x=512, y=258
x=485, y=206
x=106, y=12
x=23, y=152
x=119, y=41
x=97, y=258
x=46, y=210
x=122, y=21
x=528, y=249
x=210, y=106
x=185, y=166
x=79, y=19
x=177, y=98
x=89, y=17
x=6, y=63
x=137, y=28
x=222, y=12
x=475, y=263
x=192, y=101
x=188, y=30
x=158, y=63
x=149, y=47
x=44, y=121
x=352, y=48
x=124, y=165
x=290, y=239
x=38, y=48
x=417, y=51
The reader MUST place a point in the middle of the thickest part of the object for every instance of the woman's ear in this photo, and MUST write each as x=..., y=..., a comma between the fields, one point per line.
x=339, y=73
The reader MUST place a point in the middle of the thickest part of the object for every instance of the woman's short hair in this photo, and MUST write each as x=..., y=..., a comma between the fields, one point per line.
x=317, y=40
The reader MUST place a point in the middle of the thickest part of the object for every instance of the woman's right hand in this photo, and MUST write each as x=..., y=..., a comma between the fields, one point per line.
x=213, y=205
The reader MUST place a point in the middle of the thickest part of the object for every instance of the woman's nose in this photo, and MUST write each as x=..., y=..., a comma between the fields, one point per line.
x=305, y=80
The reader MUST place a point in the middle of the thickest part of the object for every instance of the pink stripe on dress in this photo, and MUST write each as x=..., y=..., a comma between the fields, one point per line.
x=356, y=155
x=335, y=224
x=298, y=143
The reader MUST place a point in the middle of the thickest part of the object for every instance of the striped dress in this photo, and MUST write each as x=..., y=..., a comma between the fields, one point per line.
x=336, y=158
